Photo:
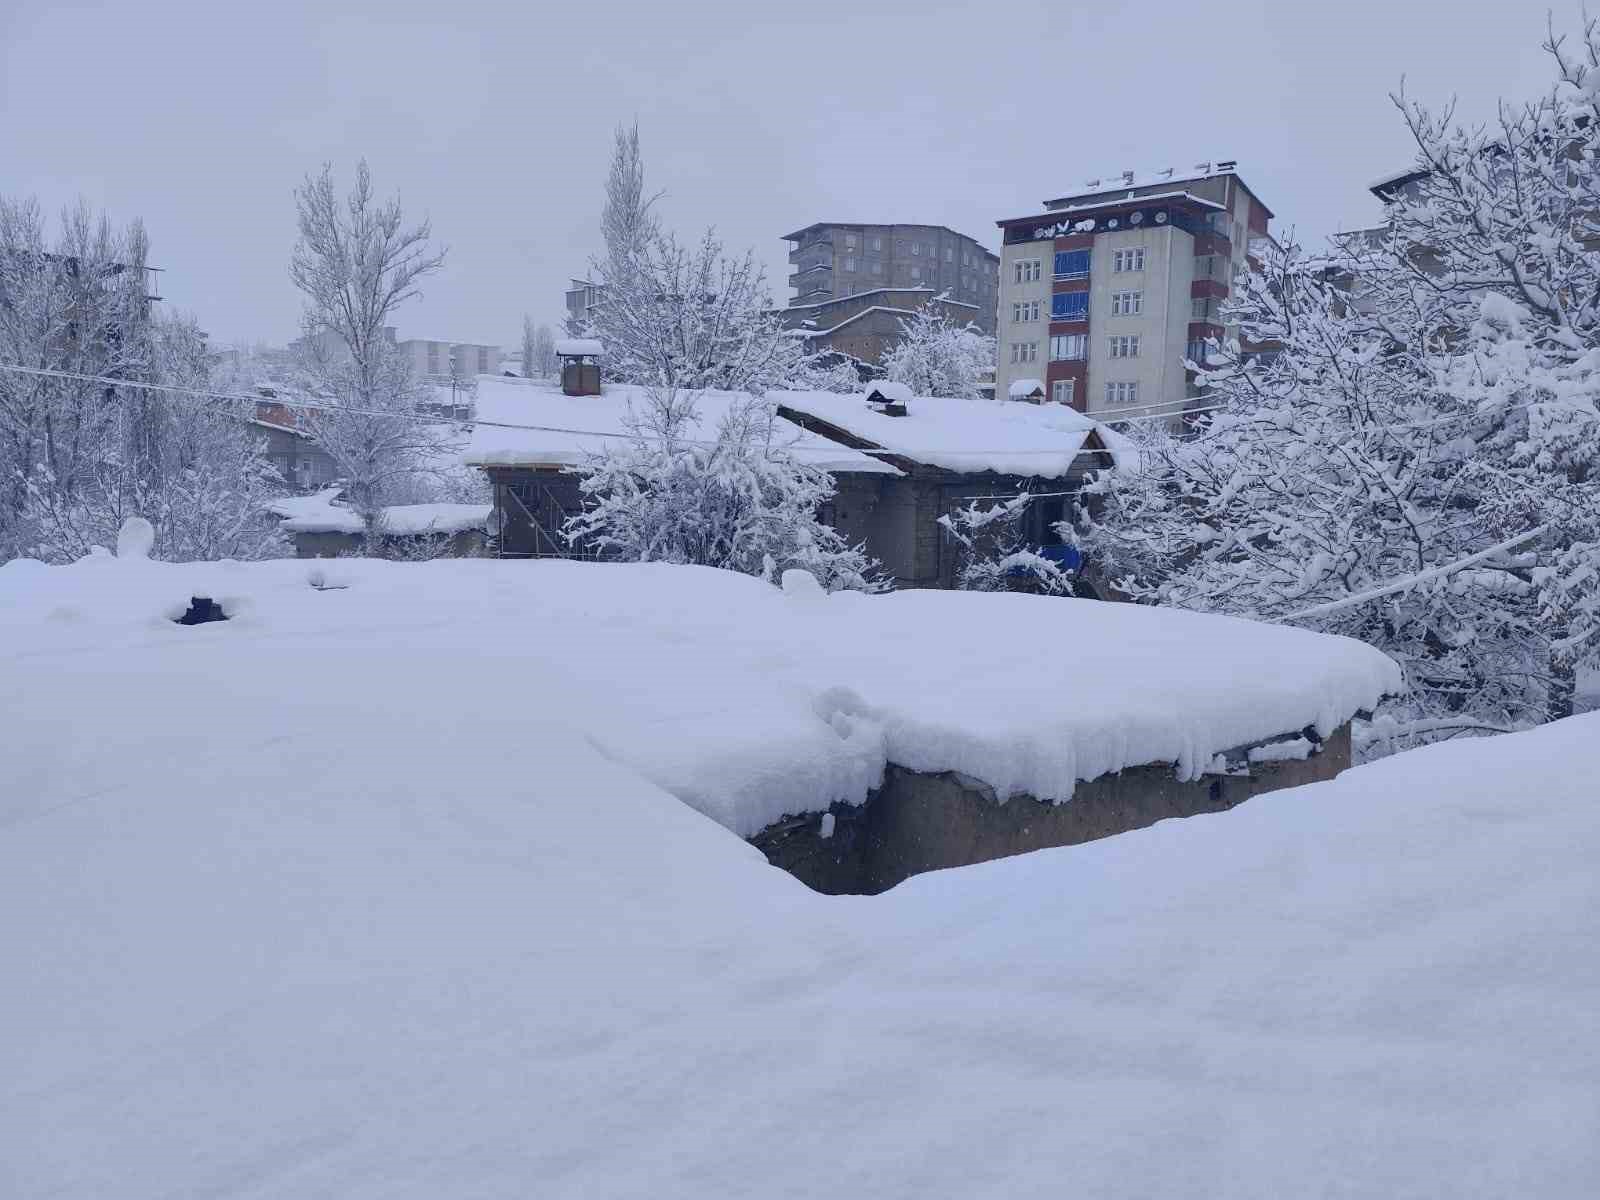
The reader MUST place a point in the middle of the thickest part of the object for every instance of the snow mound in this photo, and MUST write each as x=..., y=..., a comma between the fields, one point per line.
x=348, y=900
x=136, y=538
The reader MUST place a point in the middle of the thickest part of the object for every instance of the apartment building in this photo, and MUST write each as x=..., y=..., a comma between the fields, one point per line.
x=833, y=261
x=431, y=359
x=583, y=297
x=867, y=325
x=1105, y=293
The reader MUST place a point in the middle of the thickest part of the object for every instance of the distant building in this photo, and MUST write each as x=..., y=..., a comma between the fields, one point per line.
x=444, y=361
x=1105, y=293
x=834, y=261
x=583, y=297
x=303, y=464
x=867, y=325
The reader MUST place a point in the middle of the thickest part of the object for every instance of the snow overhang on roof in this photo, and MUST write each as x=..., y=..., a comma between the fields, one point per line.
x=575, y=347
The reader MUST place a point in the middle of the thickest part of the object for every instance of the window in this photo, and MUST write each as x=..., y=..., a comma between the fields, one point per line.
x=877, y=268
x=1122, y=393
x=1067, y=346
x=1128, y=260
x=1024, y=352
x=1069, y=306
x=1072, y=264
x=1027, y=269
x=916, y=272
x=1062, y=389
x=949, y=254
x=1125, y=347
x=877, y=243
x=916, y=247
x=849, y=241
x=1025, y=310
x=849, y=263
x=1127, y=304
x=1205, y=266
x=1201, y=309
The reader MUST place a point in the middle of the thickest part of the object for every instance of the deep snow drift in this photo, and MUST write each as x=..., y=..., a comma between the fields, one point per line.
x=745, y=701
x=351, y=896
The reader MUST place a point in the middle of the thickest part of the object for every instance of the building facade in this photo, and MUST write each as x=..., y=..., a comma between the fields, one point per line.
x=583, y=297
x=443, y=361
x=1107, y=292
x=834, y=261
x=866, y=325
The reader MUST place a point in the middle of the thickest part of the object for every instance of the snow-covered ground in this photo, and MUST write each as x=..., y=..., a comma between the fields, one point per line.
x=360, y=894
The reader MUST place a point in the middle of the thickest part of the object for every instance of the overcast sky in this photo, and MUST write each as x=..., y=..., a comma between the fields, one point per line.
x=495, y=120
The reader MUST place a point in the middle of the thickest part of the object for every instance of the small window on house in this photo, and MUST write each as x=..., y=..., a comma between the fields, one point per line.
x=877, y=267
x=1027, y=270
x=877, y=243
x=1122, y=394
x=1131, y=259
x=849, y=263
x=916, y=247
x=1024, y=352
x=1127, y=304
x=1061, y=391
x=1205, y=266
x=1025, y=310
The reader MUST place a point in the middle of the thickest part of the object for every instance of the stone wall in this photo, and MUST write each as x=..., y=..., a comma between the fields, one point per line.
x=918, y=822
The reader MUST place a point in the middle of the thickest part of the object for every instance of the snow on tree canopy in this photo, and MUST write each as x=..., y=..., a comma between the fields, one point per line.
x=345, y=897
x=576, y=427
x=749, y=702
x=575, y=347
x=964, y=435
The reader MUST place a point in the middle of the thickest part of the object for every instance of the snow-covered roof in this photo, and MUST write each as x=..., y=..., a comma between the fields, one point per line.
x=573, y=427
x=1025, y=387
x=854, y=317
x=378, y=891
x=723, y=688
x=575, y=346
x=322, y=513
x=960, y=435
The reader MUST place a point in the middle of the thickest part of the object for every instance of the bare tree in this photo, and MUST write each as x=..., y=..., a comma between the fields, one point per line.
x=357, y=263
x=529, y=349
x=544, y=352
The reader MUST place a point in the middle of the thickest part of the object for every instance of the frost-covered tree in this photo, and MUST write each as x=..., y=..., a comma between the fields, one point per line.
x=528, y=351
x=78, y=456
x=739, y=501
x=1415, y=458
x=831, y=371
x=938, y=357
x=544, y=352
x=676, y=314
x=357, y=262
x=995, y=556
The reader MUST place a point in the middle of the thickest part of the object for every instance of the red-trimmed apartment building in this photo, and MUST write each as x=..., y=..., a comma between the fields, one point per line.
x=1106, y=293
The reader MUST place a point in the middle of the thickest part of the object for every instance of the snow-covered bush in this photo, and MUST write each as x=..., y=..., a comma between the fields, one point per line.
x=995, y=557
x=740, y=501
x=938, y=357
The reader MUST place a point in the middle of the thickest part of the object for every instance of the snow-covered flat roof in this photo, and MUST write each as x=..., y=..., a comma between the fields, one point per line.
x=321, y=513
x=1025, y=387
x=589, y=346
x=577, y=426
x=961, y=435
x=376, y=891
